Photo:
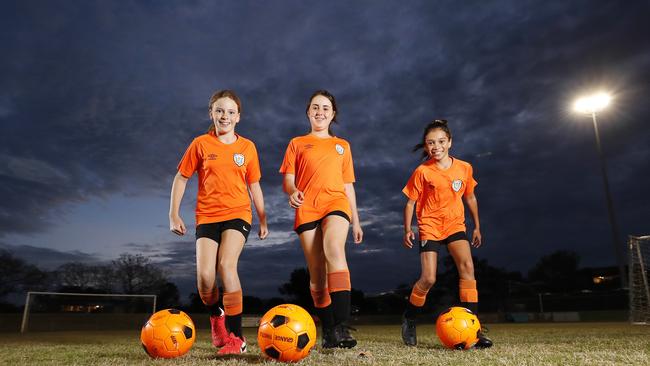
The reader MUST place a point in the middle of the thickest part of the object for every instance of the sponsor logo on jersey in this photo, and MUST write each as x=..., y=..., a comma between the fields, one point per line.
x=339, y=149
x=212, y=156
x=456, y=185
x=239, y=159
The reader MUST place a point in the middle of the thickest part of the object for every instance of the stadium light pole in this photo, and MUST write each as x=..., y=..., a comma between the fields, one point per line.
x=591, y=105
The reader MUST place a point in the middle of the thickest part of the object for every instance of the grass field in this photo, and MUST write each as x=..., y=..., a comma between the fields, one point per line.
x=515, y=344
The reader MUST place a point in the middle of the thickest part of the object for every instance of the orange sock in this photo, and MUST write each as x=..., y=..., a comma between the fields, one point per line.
x=321, y=298
x=209, y=297
x=233, y=303
x=339, y=281
x=467, y=290
x=418, y=295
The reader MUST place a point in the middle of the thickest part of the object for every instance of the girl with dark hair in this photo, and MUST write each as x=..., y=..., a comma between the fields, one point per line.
x=228, y=169
x=318, y=178
x=437, y=189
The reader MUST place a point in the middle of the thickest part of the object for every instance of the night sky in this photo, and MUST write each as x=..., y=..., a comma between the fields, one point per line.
x=100, y=99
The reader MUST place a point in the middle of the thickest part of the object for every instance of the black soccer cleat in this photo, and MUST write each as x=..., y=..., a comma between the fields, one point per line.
x=329, y=338
x=344, y=338
x=409, y=335
x=483, y=341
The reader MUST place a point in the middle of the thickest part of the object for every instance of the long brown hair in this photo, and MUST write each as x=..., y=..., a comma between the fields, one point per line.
x=433, y=125
x=332, y=100
x=226, y=93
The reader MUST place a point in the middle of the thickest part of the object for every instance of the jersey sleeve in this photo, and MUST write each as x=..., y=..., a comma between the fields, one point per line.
x=191, y=160
x=348, y=166
x=471, y=183
x=253, y=173
x=289, y=163
x=413, y=188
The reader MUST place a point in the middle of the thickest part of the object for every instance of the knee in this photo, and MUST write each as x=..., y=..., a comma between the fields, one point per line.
x=205, y=279
x=227, y=266
x=427, y=281
x=466, y=269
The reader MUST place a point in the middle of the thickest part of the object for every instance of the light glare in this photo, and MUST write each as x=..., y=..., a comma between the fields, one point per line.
x=593, y=103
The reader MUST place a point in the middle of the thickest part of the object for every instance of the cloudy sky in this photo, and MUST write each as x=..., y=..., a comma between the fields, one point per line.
x=99, y=100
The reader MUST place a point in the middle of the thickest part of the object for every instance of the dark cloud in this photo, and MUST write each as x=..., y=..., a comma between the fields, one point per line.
x=103, y=98
x=48, y=259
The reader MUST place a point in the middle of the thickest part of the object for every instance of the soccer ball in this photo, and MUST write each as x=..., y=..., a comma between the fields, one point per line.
x=286, y=333
x=457, y=328
x=168, y=333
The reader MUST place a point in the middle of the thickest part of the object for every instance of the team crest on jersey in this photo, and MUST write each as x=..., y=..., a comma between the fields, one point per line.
x=456, y=185
x=239, y=159
x=339, y=149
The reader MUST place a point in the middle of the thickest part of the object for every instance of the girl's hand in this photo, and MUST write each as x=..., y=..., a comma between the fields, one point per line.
x=264, y=231
x=409, y=236
x=296, y=199
x=357, y=233
x=176, y=225
x=476, y=238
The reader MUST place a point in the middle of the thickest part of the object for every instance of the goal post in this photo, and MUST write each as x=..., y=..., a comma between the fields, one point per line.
x=639, y=269
x=29, y=299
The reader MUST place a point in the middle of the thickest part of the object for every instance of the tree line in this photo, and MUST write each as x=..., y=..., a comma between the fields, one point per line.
x=558, y=273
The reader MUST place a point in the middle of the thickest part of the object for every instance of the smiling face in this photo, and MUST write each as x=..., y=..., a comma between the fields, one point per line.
x=225, y=115
x=320, y=113
x=437, y=144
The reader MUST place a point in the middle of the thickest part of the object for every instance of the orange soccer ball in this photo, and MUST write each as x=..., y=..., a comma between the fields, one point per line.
x=286, y=333
x=168, y=333
x=457, y=328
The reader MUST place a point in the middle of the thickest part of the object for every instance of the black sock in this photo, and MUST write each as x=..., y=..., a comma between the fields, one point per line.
x=472, y=306
x=326, y=316
x=233, y=324
x=411, y=311
x=341, y=306
x=214, y=309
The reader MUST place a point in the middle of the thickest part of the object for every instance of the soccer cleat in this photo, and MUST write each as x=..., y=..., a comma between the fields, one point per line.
x=218, y=327
x=329, y=338
x=343, y=336
x=409, y=335
x=234, y=345
x=483, y=341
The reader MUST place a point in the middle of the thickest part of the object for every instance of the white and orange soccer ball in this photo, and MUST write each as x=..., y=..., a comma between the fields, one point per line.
x=457, y=328
x=287, y=333
x=168, y=333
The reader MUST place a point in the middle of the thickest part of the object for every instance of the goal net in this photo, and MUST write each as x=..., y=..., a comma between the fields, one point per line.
x=639, y=249
x=56, y=311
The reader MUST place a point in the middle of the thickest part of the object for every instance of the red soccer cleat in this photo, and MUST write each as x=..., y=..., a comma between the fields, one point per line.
x=219, y=332
x=234, y=345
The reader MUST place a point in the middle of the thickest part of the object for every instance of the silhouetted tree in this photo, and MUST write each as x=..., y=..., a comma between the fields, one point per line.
x=298, y=288
x=135, y=274
x=556, y=272
x=80, y=277
x=16, y=275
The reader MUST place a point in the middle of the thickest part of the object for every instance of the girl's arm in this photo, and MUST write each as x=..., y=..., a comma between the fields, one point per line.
x=357, y=233
x=472, y=205
x=296, y=197
x=176, y=224
x=409, y=236
x=258, y=201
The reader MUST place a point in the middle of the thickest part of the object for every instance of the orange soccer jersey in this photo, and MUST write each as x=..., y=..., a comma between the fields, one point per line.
x=438, y=195
x=225, y=171
x=322, y=166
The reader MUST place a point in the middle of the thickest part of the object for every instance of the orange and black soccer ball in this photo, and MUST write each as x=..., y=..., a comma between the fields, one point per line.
x=457, y=328
x=287, y=333
x=168, y=333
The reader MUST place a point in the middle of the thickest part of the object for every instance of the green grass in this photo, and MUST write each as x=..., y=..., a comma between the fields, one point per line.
x=515, y=344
